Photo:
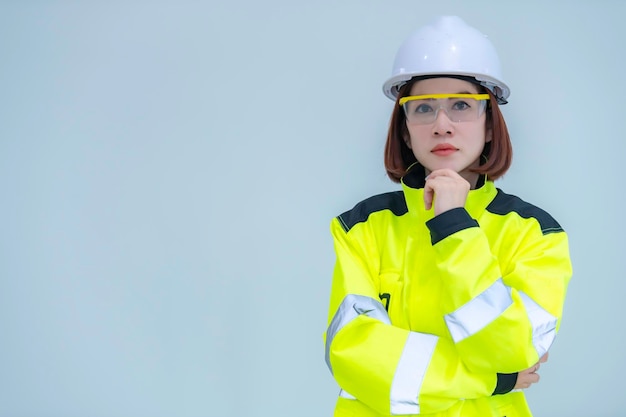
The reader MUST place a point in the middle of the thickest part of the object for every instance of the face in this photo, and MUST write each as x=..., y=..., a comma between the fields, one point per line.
x=444, y=143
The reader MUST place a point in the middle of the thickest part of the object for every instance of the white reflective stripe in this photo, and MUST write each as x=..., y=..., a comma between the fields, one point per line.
x=479, y=312
x=544, y=324
x=351, y=307
x=410, y=371
x=346, y=395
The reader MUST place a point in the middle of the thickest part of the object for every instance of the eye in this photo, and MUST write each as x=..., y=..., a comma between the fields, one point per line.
x=422, y=108
x=461, y=105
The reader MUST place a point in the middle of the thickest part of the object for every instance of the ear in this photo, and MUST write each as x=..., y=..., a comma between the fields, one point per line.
x=407, y=140
x=488, y=135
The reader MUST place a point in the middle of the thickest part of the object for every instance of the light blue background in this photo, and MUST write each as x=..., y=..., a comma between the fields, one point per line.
x=168, y=172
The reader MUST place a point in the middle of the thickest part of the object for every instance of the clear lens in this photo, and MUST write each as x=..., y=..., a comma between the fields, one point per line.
x=458, y=109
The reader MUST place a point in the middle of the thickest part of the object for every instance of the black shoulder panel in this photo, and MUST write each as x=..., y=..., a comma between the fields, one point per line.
x=506, y=203
x=393, y=201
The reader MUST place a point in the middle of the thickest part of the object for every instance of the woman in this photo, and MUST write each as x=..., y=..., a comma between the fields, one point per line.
x=447, y=295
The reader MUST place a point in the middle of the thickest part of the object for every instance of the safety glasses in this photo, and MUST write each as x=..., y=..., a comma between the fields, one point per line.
x=459, y=108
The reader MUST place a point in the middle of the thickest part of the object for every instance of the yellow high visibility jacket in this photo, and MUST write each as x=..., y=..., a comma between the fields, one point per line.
x=436, y=315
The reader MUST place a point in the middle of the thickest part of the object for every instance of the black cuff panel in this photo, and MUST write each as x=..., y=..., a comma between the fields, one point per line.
x=505, y=384
x=449, y=222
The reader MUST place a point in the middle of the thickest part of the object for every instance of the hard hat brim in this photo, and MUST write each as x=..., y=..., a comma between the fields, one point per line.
x=499, y=89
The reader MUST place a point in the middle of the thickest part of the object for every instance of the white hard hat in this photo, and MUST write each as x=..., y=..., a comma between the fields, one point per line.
x=448, y=46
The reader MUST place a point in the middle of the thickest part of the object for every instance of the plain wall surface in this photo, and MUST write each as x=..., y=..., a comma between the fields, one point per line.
x=169, y=170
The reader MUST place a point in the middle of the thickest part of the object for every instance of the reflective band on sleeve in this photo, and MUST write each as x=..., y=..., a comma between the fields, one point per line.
x=410, y=372
x=346, y=395
x=544, y=324
x=479, y=312
x=351, y=307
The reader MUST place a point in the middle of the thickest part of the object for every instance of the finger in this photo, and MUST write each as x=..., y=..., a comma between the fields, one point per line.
x=528, y=376
x=525, y=379
x=444, y=172
x=429, y=194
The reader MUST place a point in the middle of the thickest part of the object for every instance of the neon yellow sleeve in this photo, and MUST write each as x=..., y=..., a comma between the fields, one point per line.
x=502, y=313
x=389, y=368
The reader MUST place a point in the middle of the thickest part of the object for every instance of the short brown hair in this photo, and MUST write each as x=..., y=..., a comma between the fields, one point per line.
x=497, y=154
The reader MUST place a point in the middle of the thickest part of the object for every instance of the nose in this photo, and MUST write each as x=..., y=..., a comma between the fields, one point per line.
x=442, y=124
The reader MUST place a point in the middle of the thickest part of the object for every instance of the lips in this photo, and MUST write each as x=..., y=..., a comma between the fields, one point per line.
x=443, y=149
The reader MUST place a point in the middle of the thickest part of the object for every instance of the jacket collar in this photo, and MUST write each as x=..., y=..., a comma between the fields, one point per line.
x=413, y=187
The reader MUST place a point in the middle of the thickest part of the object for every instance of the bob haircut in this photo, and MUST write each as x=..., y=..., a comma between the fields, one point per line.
x=497, y=154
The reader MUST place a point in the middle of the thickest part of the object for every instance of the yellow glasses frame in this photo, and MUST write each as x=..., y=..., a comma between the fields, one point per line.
x=404, y=100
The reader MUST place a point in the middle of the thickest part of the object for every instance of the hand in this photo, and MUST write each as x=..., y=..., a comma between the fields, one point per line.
x=447, y=188
x=530, y=376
